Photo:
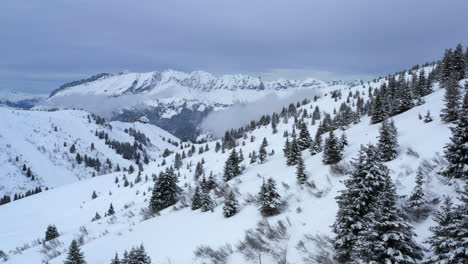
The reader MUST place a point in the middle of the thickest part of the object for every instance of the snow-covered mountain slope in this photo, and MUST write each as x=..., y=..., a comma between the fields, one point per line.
x=41, y=140
x=175, y=101
x=174, y=234
x=20, y=100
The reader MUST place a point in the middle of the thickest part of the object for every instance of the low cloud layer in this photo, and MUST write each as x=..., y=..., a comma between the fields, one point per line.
x=98, y=104
x=239, y=115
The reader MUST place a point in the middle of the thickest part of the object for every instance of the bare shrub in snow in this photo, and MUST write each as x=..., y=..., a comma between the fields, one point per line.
x=266, y=239
x=411, y=152
x=341, y=168
x=51, y=249
x=3, y=255
x=214, y=256
x=316, y=249
x=128, y=205
x=250, y=199
x=147, y=213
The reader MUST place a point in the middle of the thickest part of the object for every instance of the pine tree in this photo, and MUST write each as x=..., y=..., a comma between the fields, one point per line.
x=136, y=255
x=386, y=237
x=74, y=254
x=448, y=241
x=72, y=148
x=456, y=151
x=51, y=233
x=446, y=66
x=452, y=100
x=96, y=217
x=269, y=198
x=405, y=97
x=332, y=150
x=317, y=144
x=196, y=199
x=206, y=202
x=111, y=210
x=253, y=157
x=301, y=176
x=231, y=167
x=357, y=200
x=262, y=152
x=287, y=147
x=116, y=259
x=343, y=141
x=379, y=112
x=388, y=140
x=198, y=171
x=417, y=203
x=303, y=142
x=293, y=154
x=165, y=191
x=177, y=161
x=231, y=205
x=458, y=62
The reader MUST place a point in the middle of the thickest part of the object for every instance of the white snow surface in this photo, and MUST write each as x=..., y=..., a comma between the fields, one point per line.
x=172, y=236
x=31, y=136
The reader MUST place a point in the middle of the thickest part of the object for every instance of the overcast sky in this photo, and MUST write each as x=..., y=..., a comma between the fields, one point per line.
x=46, y=43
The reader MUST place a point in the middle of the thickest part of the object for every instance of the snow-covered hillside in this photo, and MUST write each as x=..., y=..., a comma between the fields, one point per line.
x=40, y=141
x=175, y=233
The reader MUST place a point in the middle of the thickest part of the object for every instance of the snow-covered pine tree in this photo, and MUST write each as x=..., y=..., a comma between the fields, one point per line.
x=269, y=198
x=287, y=147
x=451, y=98
x=379, y=111
x=456, y=151
x=206, y=202
x=316, y=146
x=303, y=142
x=111, y=210
x=448, y=241
x=405, y=97
x=262, y=152
x=357, y=200
x=96, y=217
x=343, y=141
x=74, y=254
x=386, y=237
x=446, y=66
x=417, y=203
x=293, y=154
x=253, y=157
x=388, y=140
x=301, y=176
x=232, y=167
x=332, y=150
x=165, y=191
x=51, y=233
x=458, y=62
x=231, y=205
x=198, y=171
x=177, y=161
x=196, y=199
x=137, y=255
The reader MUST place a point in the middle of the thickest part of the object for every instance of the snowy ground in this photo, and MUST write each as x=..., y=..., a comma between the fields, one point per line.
x=31, y=136
x=173, y=236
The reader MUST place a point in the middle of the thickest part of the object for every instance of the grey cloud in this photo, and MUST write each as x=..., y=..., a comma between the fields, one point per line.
x=342, y=37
